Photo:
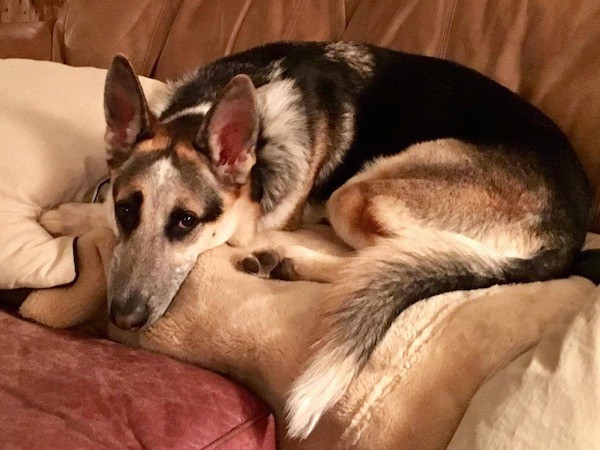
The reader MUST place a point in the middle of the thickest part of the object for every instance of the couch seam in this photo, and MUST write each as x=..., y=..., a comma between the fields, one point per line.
x=67, y=7
x=162, y=47
x=293, y=20
x=448, y=27
x=51, y=57
x=151, y=40
x=349, y=15
x=236, y=430
x=237, y=27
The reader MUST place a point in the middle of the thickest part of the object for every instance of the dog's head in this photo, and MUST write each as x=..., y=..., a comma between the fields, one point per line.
x=179, y=188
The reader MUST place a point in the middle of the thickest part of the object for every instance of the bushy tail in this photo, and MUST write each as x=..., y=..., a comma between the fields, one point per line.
x=376, y=286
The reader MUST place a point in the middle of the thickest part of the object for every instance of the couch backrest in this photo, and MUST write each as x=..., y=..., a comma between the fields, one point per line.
x=547, y=51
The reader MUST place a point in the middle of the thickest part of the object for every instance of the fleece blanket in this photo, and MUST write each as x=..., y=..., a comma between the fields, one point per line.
x=416, y=388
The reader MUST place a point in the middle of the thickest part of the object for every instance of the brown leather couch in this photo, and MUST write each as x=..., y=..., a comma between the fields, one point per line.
x=545, y=50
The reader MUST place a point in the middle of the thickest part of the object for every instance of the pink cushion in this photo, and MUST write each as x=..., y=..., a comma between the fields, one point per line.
x=61, y=389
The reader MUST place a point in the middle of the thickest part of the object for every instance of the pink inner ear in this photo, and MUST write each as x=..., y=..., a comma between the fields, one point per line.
x=122, y=115
x=125, y=109
x=233, y=125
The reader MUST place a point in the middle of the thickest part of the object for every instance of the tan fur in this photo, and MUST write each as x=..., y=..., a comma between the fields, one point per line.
x=417, y=188
x=438, y=162
x=186, y=152
x=350, y=209
x=321, y=147
x=158, y=142
x=248, y=212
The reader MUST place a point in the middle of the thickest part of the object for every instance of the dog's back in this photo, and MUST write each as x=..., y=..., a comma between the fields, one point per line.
x=368, y=102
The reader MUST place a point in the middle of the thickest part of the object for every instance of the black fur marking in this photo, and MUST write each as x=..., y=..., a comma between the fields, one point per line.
x=270, y=182
x=416, y=98
x=370, y=311
x=212, y=202
x=256, y=174
x=213, y=208
x=184, y=128
x=127, y=213
x=208, y=81
x=587, y=264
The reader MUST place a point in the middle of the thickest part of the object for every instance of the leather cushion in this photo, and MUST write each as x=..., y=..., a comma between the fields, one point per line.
x=65, y=390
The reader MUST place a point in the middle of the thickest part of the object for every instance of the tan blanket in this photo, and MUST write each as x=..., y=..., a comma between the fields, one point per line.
x=412, y=394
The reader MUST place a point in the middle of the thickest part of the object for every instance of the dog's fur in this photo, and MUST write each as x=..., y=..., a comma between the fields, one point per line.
x=439, y=177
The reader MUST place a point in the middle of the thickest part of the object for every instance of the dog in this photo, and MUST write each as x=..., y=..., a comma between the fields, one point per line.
x=440, y=178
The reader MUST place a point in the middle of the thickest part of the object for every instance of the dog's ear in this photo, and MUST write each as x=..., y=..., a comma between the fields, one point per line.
x=126, y=111
x=230, y=130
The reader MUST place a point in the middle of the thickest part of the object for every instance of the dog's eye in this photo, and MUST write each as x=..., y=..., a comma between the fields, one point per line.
x=127, y=213
x=181, y=223
x=187, y=221
x=122, y=210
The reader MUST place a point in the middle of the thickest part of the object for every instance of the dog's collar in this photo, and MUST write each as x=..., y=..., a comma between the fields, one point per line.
x=100, y=191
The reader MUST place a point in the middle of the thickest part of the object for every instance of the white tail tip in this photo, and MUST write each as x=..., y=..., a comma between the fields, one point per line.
x=318, y=389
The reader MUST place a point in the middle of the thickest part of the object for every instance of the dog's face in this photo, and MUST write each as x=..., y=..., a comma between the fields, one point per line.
x=178, y=189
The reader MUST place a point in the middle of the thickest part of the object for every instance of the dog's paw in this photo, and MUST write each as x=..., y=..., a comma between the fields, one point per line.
x=269, y=264
x=55, y=221
x=71, y=219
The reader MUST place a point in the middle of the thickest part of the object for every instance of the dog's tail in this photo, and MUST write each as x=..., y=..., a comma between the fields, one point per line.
x=376, y=286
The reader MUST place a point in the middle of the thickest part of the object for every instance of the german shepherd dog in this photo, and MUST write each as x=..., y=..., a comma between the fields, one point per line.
x=440, y=178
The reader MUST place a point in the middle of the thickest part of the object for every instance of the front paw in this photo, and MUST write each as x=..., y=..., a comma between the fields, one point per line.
x=72, y=219
x=269, y=264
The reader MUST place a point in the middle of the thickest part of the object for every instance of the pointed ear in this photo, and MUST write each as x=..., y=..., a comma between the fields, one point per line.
x=126, y=111
x=230, y=131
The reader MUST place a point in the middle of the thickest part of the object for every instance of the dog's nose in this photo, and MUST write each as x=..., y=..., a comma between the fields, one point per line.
x=130, y=314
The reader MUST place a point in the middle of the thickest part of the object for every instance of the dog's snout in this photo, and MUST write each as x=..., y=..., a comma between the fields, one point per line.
x=130, y=314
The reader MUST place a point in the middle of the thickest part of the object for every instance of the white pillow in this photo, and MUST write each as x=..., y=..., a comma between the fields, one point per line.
x=548, y=397
x=51, y=152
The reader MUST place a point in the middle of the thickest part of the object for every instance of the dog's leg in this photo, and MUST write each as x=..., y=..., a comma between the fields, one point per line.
x=293, y=263
x=74, y=219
